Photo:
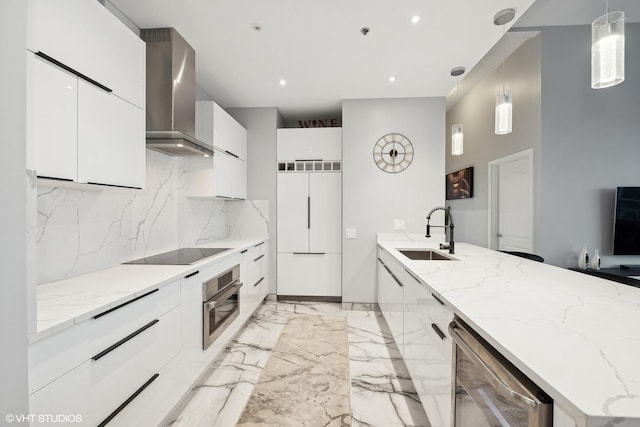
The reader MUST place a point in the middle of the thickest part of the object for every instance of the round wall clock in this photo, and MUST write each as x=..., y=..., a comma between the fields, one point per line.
x=393, y=153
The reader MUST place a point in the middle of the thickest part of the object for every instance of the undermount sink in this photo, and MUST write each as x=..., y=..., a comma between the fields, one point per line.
x=425, y=255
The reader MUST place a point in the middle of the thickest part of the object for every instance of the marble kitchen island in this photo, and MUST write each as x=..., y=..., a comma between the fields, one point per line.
x=576, y=336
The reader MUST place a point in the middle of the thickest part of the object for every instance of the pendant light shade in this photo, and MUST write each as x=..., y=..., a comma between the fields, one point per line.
x=457, y=140
x=504, y=99
x=607, y=50
x=504, y=112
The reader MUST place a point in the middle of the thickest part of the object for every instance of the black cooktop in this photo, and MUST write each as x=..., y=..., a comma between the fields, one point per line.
x=184, y=256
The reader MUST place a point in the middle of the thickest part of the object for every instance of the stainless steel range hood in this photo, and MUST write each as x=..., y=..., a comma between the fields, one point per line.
x=171, y=94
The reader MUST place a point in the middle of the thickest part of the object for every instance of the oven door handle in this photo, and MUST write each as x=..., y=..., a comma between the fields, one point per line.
x=493, y=377
x=224, y=293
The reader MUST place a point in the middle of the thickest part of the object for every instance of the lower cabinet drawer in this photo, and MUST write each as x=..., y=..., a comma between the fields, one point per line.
x=98, y=387
x=309, y=274
x=53, y=357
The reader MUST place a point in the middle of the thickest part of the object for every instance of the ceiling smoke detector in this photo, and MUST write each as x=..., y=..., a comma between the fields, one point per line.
x=365, y=30
x=256, y=26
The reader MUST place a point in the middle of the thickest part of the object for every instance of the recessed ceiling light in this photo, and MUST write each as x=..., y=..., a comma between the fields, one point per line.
x=179, y=145
x=392, y=79
x=283, y=82
x=415, y=19
x=206, y=155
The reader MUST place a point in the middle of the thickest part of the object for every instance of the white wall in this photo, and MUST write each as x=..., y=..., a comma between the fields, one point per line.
x=13, y=243
x=373, y=199
x=261, y=125
x=481, y=145
x=591, y=145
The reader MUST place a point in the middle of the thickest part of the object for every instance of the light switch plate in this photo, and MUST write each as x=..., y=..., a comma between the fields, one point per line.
x=398, y=224
x=350, y=233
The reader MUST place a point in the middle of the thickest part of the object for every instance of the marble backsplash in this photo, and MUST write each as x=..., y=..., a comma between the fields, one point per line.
x=84, y=228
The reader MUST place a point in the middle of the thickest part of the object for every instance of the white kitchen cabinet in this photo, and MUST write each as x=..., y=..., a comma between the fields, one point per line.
x=224, y=176
x=293, y=221
x=310, y=144
x=52, y=114
x=111, y=134
x=309, y=274
x=228, y=134
x=88, y=38
x=78, y=130
x=391, y=288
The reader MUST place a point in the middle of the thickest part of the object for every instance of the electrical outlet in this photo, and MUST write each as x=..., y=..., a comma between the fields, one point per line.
x=398, y=224
x=350, y=233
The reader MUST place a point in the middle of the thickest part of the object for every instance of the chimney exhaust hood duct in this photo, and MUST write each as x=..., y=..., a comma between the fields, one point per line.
x=171, y=94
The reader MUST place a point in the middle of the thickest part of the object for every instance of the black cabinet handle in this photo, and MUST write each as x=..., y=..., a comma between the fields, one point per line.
x=72, y=71
x=124, y=340
x=261, y=256
x=261, y=243
x=258, y=282
x=397, y=281
x=244, y=252
x=113, y=185
x=381, y=262
x=231, y=154
x=309, y=253
x=438, y=331
x=191, y=275
x=56, y=179
x=309, y=212
x=129, y=400
x=412, y=276
x=437, y=299
x=117, y=307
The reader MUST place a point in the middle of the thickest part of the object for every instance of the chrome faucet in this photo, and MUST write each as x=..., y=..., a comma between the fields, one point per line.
x=448, y=220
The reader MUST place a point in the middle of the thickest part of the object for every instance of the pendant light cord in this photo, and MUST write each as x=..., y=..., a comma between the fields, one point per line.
x=504, y=57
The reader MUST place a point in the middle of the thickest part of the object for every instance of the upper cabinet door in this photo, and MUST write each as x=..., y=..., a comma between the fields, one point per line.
x=52, y=114
x=325, y=203
x=239, y=179
x=111, y=133
x=293, y=212
x=310, y=144
x=88, y=38
x=223, y=175
x=228, y=135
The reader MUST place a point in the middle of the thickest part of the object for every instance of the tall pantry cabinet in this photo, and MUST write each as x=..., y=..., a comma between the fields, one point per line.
x=309, y=212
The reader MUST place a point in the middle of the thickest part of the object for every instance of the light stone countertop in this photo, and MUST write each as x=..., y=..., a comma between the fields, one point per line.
x=575, y=335
x=63, y=303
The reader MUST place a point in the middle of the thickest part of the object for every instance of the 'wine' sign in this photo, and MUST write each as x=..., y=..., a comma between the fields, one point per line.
x=319, y=123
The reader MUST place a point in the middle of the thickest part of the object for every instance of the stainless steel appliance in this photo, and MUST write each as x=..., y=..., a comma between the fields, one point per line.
x=489, y=390
x=171, y=94
x=221, y=304
x=184, y=256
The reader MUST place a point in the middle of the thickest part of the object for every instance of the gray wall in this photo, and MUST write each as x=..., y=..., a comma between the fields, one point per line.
x=13, y=244
x=591, y=144
x=481, y=145
x=261, y=125
x=373, y=199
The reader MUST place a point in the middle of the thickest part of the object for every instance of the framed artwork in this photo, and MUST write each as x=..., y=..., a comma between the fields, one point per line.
x=459, y=184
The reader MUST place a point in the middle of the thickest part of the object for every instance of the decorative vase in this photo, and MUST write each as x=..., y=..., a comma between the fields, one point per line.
x=595, y=260
x=583, y=258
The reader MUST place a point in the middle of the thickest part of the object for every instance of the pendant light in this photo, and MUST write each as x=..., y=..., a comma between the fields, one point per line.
x=607, y=50
x=504, y=98
x=457, y=133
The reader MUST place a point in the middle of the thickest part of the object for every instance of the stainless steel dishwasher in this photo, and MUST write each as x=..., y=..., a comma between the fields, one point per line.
x=488, y=390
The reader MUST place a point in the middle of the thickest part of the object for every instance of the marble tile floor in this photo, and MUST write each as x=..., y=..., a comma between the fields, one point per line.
x=382, y=393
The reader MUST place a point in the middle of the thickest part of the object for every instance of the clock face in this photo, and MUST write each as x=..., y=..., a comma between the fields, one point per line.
x=393, y=153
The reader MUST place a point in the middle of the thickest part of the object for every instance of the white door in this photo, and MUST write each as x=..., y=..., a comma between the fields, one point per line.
x=293, y=212
x=325, y=214
x=511, y=218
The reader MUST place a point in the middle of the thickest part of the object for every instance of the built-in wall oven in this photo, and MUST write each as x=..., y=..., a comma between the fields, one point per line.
x=488, y=390
x=221, y=304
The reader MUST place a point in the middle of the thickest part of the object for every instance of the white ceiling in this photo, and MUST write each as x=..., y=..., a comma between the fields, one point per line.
x=318, y=48
x=575, y=12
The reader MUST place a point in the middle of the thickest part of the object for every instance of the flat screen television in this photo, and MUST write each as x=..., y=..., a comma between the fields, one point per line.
x=626, y=228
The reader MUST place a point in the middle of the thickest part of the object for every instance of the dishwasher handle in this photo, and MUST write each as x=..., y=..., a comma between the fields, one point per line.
x=461, y=338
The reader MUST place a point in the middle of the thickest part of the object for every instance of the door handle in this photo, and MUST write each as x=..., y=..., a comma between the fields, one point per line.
x=309, y=212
